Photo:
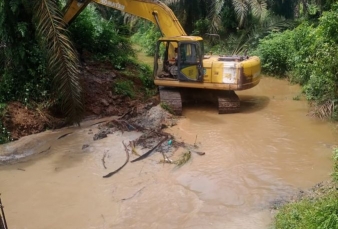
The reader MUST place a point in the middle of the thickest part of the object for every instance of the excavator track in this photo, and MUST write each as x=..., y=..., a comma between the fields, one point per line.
x=228, y=102
x=171, y=98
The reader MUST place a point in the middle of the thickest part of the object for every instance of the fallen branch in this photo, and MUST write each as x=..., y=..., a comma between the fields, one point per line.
x=45, y=150
x=198, y=152
x=98, y=123
x=150, y=151
x=112, y=173
x=134, y=194
x=127, y=113
x=103, y=161
x=64, y=135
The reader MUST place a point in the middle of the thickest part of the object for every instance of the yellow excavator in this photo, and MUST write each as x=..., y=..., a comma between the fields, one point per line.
x=181, y=70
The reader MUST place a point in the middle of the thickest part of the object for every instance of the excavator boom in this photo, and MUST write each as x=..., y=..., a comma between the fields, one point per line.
x=151, y=10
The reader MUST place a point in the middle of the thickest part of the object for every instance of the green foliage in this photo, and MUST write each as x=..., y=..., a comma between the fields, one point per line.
x=22, y=61
x=274, y=51
x=335, y=165
x=147, y=80
x=300, y=58
x=310, y=214
x=36, y=54
x=124, y=87
x=146, y=76
x=62, y=59
x=4, y=134
x=146, y=36
x=167, y=107
x=101, y=38
x=310, y=54
x=201, y=27
x=321, y=61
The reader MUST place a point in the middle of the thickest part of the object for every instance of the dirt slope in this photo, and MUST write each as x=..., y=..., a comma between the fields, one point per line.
x=99, y=101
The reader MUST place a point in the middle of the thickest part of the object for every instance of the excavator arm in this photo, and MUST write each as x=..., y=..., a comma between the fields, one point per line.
x=197, y=74
x=151, y=10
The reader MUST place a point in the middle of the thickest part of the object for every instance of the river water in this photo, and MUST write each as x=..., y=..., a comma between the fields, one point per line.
x=265, y=153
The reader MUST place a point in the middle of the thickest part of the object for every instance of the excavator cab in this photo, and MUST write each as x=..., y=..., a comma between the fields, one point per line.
x=179, y=59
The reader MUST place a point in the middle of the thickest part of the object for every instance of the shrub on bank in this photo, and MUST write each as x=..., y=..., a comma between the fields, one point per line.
x=308, y=55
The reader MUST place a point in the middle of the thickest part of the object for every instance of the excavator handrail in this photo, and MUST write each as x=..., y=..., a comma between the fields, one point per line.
x=151, y=10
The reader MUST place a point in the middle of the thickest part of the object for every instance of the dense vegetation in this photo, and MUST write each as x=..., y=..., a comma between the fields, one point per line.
x=296, y=39
x=307, y=55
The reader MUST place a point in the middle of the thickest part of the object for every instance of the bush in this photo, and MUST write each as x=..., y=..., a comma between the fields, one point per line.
x=322, y=57
x=303, y=48
x=4, y=134
x=124, y=87
x=146, y=76
x=335, y=165
x=274, y=51
x=146, y=36
x=309, y=53
x=101, y=38
x=22, y=62
x=310, y=214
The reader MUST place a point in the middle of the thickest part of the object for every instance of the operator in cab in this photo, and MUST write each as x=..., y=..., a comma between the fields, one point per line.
x=173, y=64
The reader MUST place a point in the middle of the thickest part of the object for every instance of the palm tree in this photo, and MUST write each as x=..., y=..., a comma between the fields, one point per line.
x=258, y=8
x=62, y=61
x=62, y=57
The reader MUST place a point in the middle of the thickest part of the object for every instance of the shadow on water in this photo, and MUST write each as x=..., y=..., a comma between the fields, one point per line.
x=250, y=104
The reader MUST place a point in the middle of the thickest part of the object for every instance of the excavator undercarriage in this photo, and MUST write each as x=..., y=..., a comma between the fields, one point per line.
x=173, y=98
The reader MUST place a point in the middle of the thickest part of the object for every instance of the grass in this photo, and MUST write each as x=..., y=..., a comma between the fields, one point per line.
x=167, y=107
x=321, y=213
x=312, y=213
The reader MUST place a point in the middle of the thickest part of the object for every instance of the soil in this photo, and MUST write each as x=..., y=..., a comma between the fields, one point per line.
x=99, y=101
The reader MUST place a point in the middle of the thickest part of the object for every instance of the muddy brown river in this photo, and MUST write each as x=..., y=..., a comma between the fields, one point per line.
x=265, y=153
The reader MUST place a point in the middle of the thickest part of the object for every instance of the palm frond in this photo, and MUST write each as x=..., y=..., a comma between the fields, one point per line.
x=322, y=110
x=258, y=8
x=62, y=58
x=214, y=16
x=241, y=8
x=273, y=23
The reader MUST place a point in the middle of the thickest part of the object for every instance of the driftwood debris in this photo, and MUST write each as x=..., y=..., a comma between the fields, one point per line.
x=43, y=151
x=103, y=159
x=64, y=135
x=127, y=159
x=151, y=139
x=184, y=159
x=150, y=151
x=134, y=194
